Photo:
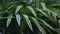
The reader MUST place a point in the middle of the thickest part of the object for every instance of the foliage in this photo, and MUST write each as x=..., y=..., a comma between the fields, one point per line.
x=29, y=16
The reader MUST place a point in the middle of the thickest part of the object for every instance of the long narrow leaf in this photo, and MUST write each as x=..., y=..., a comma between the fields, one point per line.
x=3, y=4
x=43, y=6
x=47, y=24
x=54, y=19
x=9, y=20
x=54, y=11
x=10, y=7
x=32, y=10
x=18, y=8
x=37, y=3
x=50, y=32
x=42, y=12
x=59, y=23
x=18, y=18
x=38, y=25
x=57, y=30
x=28, y=22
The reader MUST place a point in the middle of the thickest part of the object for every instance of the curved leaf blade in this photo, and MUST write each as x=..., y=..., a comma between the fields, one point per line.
x=10, y=7
x=28, y=22
x=59, y=23
x=42, y=12
x=38, y=25
x=57, y=30
x=18, y=18
x=18, y=8
x=47, y=24
x=43, y=6
x=9, y=20
x=54, y=11
x=32, y=10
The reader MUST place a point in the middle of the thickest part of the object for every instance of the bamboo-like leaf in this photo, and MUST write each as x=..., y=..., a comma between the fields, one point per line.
x=32, y=10
x=54, y=19
x=42, y=12
x=9, y=3
x=1, y=33
x=55, y=5
x=38, y=25
x=18, y=18
x=23, y=26
x=28, y=22
x=37, y=3
x=43, y=6
x=54, y=11
x=10, y=7
x=50, y=32
x=3, y=4
x=57, y=30
x=59, y=23
x=9, y=20
x=47, y=24
x=18, y=8
x=30, y=0
x=54, y=16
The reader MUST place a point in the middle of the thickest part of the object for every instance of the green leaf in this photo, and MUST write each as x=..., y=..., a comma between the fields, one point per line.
x=23, y=26
x=10, y=7
x=25, y=10
x=47, y=24
x=28, y=22
x=48, y=30
x=32, y=10
x=55, y=5
x=38, y=25
x=57, y=30
x=54, y=11
x=30, y=0
x=3, y=4
x=37, y=3
x=18, y=8
x=18, y=18
x=9, y=20
x=54, y=19
x=42, y=12
x=43, y=6
x=51, y=9
x=59, y=22
x=1, y=33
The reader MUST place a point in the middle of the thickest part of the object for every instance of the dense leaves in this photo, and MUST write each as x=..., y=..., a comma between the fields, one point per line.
x=29, y=17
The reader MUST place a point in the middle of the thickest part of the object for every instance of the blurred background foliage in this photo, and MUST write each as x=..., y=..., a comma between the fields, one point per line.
x=29, y=16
